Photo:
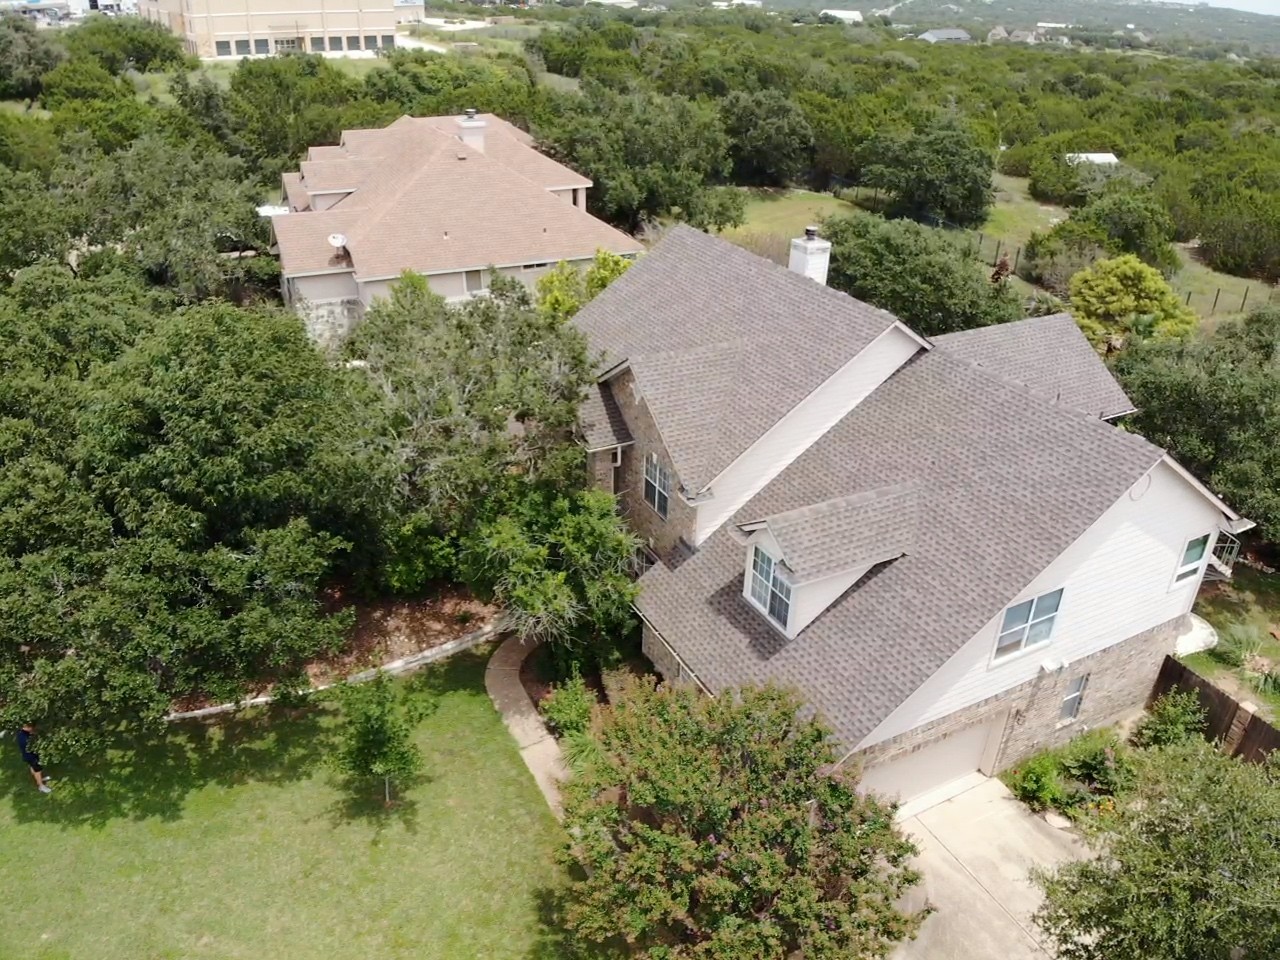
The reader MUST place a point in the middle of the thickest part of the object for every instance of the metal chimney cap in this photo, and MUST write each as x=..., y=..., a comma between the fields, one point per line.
x=811, y=233
x=470, y=112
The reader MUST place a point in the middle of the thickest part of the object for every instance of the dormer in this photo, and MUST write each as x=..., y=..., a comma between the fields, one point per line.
x=800, y=562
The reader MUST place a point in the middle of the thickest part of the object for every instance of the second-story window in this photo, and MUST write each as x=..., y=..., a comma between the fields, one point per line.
x=769, y=589
x=657, y=485
x=1192, y=559
x=1028, y=624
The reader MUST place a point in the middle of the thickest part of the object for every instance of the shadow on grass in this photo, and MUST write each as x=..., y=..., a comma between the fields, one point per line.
x=362, y=802
x=150, y=775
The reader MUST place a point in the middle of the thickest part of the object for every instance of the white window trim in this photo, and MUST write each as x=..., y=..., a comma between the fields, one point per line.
x=1192, y=572
x=997, y=659
x=776, y=576
x=1077, y=697
x=660, y=472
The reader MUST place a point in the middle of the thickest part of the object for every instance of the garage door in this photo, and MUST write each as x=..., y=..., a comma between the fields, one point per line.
x=933, y=766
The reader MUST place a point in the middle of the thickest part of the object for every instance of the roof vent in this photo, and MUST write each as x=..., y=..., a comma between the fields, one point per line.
x=470, y=112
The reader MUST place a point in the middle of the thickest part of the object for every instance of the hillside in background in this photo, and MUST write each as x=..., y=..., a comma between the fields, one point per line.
x=1170, y=27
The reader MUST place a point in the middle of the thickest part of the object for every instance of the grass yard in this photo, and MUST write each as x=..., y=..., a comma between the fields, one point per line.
x=787, y=212
x=231, y=840
x=1016, y=215
x=1253, y=598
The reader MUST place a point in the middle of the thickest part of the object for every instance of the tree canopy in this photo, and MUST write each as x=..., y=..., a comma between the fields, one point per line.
x=1186, y=867
x=180, y=484
x=923, y=277
x=716, y=827
x=1120, y=300
x=1214, y=402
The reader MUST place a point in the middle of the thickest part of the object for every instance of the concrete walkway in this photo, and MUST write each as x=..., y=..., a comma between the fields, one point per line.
x=538, y=748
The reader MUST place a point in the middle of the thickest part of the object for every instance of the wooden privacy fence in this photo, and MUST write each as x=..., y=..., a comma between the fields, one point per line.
x=1234, y=725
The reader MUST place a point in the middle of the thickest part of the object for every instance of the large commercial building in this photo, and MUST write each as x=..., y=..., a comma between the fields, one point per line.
x=243, y=28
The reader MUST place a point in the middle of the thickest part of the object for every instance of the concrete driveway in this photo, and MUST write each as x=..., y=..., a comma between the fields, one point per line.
x=976, y=852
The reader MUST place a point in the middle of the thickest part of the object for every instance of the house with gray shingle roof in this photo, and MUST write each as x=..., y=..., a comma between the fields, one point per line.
x=944, y=544
x=452, y=198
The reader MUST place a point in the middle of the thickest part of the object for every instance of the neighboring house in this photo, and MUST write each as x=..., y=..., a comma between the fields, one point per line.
x=946, y=35
x=447, y=197
x=1098, y=159
x=844, y=16
x=997, y=34
x=1024, y=36
x=944, y=545
x=233, y=28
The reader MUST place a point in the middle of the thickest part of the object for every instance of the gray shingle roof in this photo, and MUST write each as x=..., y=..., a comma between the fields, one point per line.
x=1008, y=481
x=848, y=532
x=601, y=420
x=1048, y=354
x=709, y=329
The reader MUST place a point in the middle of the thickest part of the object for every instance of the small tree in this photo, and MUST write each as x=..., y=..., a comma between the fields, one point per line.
x=566, y=289
x=1122, y=298
x=1187, y=866
x=377, y=733
x=716, y=827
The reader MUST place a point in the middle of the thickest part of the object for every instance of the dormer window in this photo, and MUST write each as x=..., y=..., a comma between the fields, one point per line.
x=769, y=589
x=657, y=485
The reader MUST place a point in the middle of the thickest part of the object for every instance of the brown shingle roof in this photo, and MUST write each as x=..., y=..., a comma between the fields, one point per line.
x=723, y=343
x=1048, y=354
x=602, y=423
x=424, y=201
x=1008, y=480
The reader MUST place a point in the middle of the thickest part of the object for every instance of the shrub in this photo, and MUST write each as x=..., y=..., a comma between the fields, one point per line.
x=582, y=751
x=1175, y=717
x=1237, y=644
x=1099, y=761
x=1038, y=783
x=567, y=708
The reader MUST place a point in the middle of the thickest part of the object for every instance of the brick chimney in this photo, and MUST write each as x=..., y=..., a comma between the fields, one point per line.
x=471, y=130
x=810, y=255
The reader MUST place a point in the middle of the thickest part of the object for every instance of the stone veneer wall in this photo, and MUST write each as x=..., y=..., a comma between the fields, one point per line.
x=328, y=324
x=681, y=519
x=1120, y=680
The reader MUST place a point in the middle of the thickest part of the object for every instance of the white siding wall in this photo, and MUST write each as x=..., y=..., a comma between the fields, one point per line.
x=325, y=287
x=806, y=422
x=1117, y=581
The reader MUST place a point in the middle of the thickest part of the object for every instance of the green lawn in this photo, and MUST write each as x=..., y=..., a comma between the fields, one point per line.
x=231, y=840
x=787, y=212
x=1016, y=215
x=1251, y=597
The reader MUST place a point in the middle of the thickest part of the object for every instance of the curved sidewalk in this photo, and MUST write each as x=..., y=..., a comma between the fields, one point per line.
x=538, y=748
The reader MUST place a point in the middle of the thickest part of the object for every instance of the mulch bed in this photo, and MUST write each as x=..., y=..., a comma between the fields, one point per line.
x=536, y=675
x=385, y=630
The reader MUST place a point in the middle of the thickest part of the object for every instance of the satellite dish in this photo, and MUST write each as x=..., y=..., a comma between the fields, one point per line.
x=337, y=240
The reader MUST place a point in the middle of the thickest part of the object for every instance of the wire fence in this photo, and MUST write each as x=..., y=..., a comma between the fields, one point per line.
x=1208, y=299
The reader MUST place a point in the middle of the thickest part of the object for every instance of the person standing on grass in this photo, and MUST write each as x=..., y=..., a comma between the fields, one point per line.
x=31, y=758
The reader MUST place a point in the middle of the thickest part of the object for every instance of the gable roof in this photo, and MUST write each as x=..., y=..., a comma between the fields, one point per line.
x=846, y=533
x=1008, y=480
x=1047, y=354
x=710, y=333
x=417, y=198
x=602, y=423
